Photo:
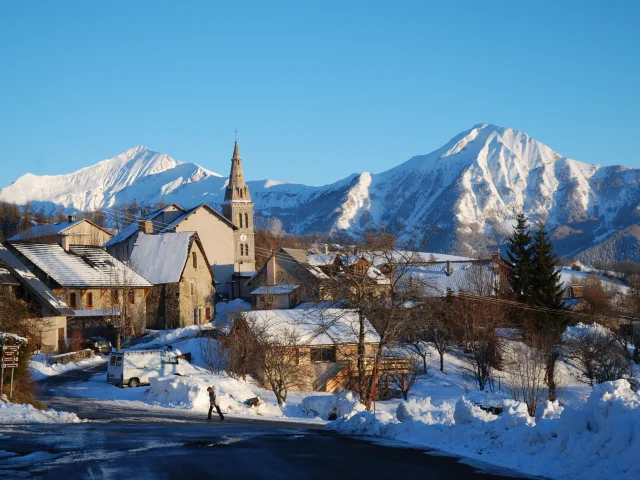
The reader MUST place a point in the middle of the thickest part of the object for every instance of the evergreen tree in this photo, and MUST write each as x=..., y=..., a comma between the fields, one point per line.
x=545, y=284
x=520, y=259
x=546, y=291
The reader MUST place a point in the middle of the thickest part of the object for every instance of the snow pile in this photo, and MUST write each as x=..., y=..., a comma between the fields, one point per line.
x=17, y=414
x=581, y=331
x=39, y=369
x=11, y=336
x=599, y=440
x=330, y=407
x=424, y=411
x=190, y=393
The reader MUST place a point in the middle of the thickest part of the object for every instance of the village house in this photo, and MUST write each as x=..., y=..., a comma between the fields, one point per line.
x=103, y=293
x=71, y=232
x=50, y=313
x=183, y=282
x=324, y=342
x=227, y=237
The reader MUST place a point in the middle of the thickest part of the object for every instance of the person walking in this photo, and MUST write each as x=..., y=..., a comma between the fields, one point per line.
x=214, y=395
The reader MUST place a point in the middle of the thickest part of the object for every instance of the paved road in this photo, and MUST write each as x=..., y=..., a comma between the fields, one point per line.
x=135, y=443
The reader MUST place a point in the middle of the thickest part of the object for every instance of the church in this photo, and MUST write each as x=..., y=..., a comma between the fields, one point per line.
x=227, y=238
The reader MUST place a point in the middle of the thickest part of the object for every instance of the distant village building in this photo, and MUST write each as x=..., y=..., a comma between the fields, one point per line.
x=50, y=312
x=183, y=282
x=101, y=291
x=71, y=232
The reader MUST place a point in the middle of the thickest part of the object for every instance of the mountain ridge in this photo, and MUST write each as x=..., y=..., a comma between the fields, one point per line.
x=470, y=189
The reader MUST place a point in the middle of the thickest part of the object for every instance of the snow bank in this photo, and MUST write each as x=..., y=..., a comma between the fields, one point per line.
x=17, y=414
x=190, y=393
x=599, y=440
x=584, y=330
x=40, y=370
x=330, y=407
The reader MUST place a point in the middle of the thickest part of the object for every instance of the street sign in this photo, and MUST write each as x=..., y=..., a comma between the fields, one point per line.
x=11, y=348
x=9, y=359
x=9, y=365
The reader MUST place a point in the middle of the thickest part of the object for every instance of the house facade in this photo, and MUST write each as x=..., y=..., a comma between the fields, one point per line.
x=71, y=232
x=183, y=283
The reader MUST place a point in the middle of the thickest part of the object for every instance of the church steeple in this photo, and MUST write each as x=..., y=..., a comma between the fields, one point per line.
x=238, y=208
x=237, y=190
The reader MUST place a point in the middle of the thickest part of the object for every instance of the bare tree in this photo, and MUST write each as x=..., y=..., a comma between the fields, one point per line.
x=214, y=353
x=526, y=365
x=405, y=381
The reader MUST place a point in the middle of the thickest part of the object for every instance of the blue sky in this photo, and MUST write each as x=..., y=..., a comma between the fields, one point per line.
x=317, y=90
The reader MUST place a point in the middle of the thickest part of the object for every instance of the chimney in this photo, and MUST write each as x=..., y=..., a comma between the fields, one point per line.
x=448, y=270
x=145, y=226
x=71, y=218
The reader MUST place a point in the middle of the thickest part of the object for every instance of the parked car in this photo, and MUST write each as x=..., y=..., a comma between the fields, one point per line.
x=98, y=344
x=136, y=368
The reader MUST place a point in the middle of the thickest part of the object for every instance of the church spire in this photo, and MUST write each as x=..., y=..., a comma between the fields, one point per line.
x=237, y=190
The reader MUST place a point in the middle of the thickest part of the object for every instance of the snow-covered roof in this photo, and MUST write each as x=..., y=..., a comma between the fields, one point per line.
x=281, y=289
x=33, y=283
x=81, y=267
x=160, y=258
x=310, y=327
x=302, y=258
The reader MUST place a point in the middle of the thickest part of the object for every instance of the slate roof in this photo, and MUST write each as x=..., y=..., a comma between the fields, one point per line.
x=188, y=213
x=80, y=267
x=476, y=277
x=331, y=326
x=161, y=257
x=33, y=283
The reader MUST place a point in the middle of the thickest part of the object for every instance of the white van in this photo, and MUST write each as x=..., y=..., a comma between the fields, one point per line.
x=136, y=368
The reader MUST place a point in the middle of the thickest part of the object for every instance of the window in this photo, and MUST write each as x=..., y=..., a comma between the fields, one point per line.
x=246, y=220
x=323, y=354
x=242, y=249
x=72, y=300
x=132, y=297
x=207, y=313
x=199, y=315
x=89, y=300
x=118, y=361
x=240, y=220
x=112, y=360
x=194, y=256
x=193, y=289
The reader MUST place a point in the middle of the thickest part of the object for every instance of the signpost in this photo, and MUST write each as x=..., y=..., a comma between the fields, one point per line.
x=9, y=360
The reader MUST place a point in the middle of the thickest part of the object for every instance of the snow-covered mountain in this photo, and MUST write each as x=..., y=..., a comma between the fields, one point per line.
x=470, y=188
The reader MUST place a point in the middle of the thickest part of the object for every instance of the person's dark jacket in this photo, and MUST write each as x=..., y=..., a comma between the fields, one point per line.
x=212, y=398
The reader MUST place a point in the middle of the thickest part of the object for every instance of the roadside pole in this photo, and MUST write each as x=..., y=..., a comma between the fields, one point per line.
x=9, y=359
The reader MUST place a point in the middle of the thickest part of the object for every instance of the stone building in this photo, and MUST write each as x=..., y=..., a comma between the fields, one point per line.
x=183, y=283
x=49, y=322
x=103, y=293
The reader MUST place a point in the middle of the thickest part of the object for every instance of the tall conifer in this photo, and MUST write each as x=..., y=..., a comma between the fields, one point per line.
x=519, y=259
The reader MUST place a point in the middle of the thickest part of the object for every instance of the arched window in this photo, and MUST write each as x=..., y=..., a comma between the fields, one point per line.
x=246, y=249
x=242, y=249
x=240, y=220
x=246, y=220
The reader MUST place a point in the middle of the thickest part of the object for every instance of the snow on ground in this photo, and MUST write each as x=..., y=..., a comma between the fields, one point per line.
x=39, y=368
x=18, y=414
x=592, y=441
